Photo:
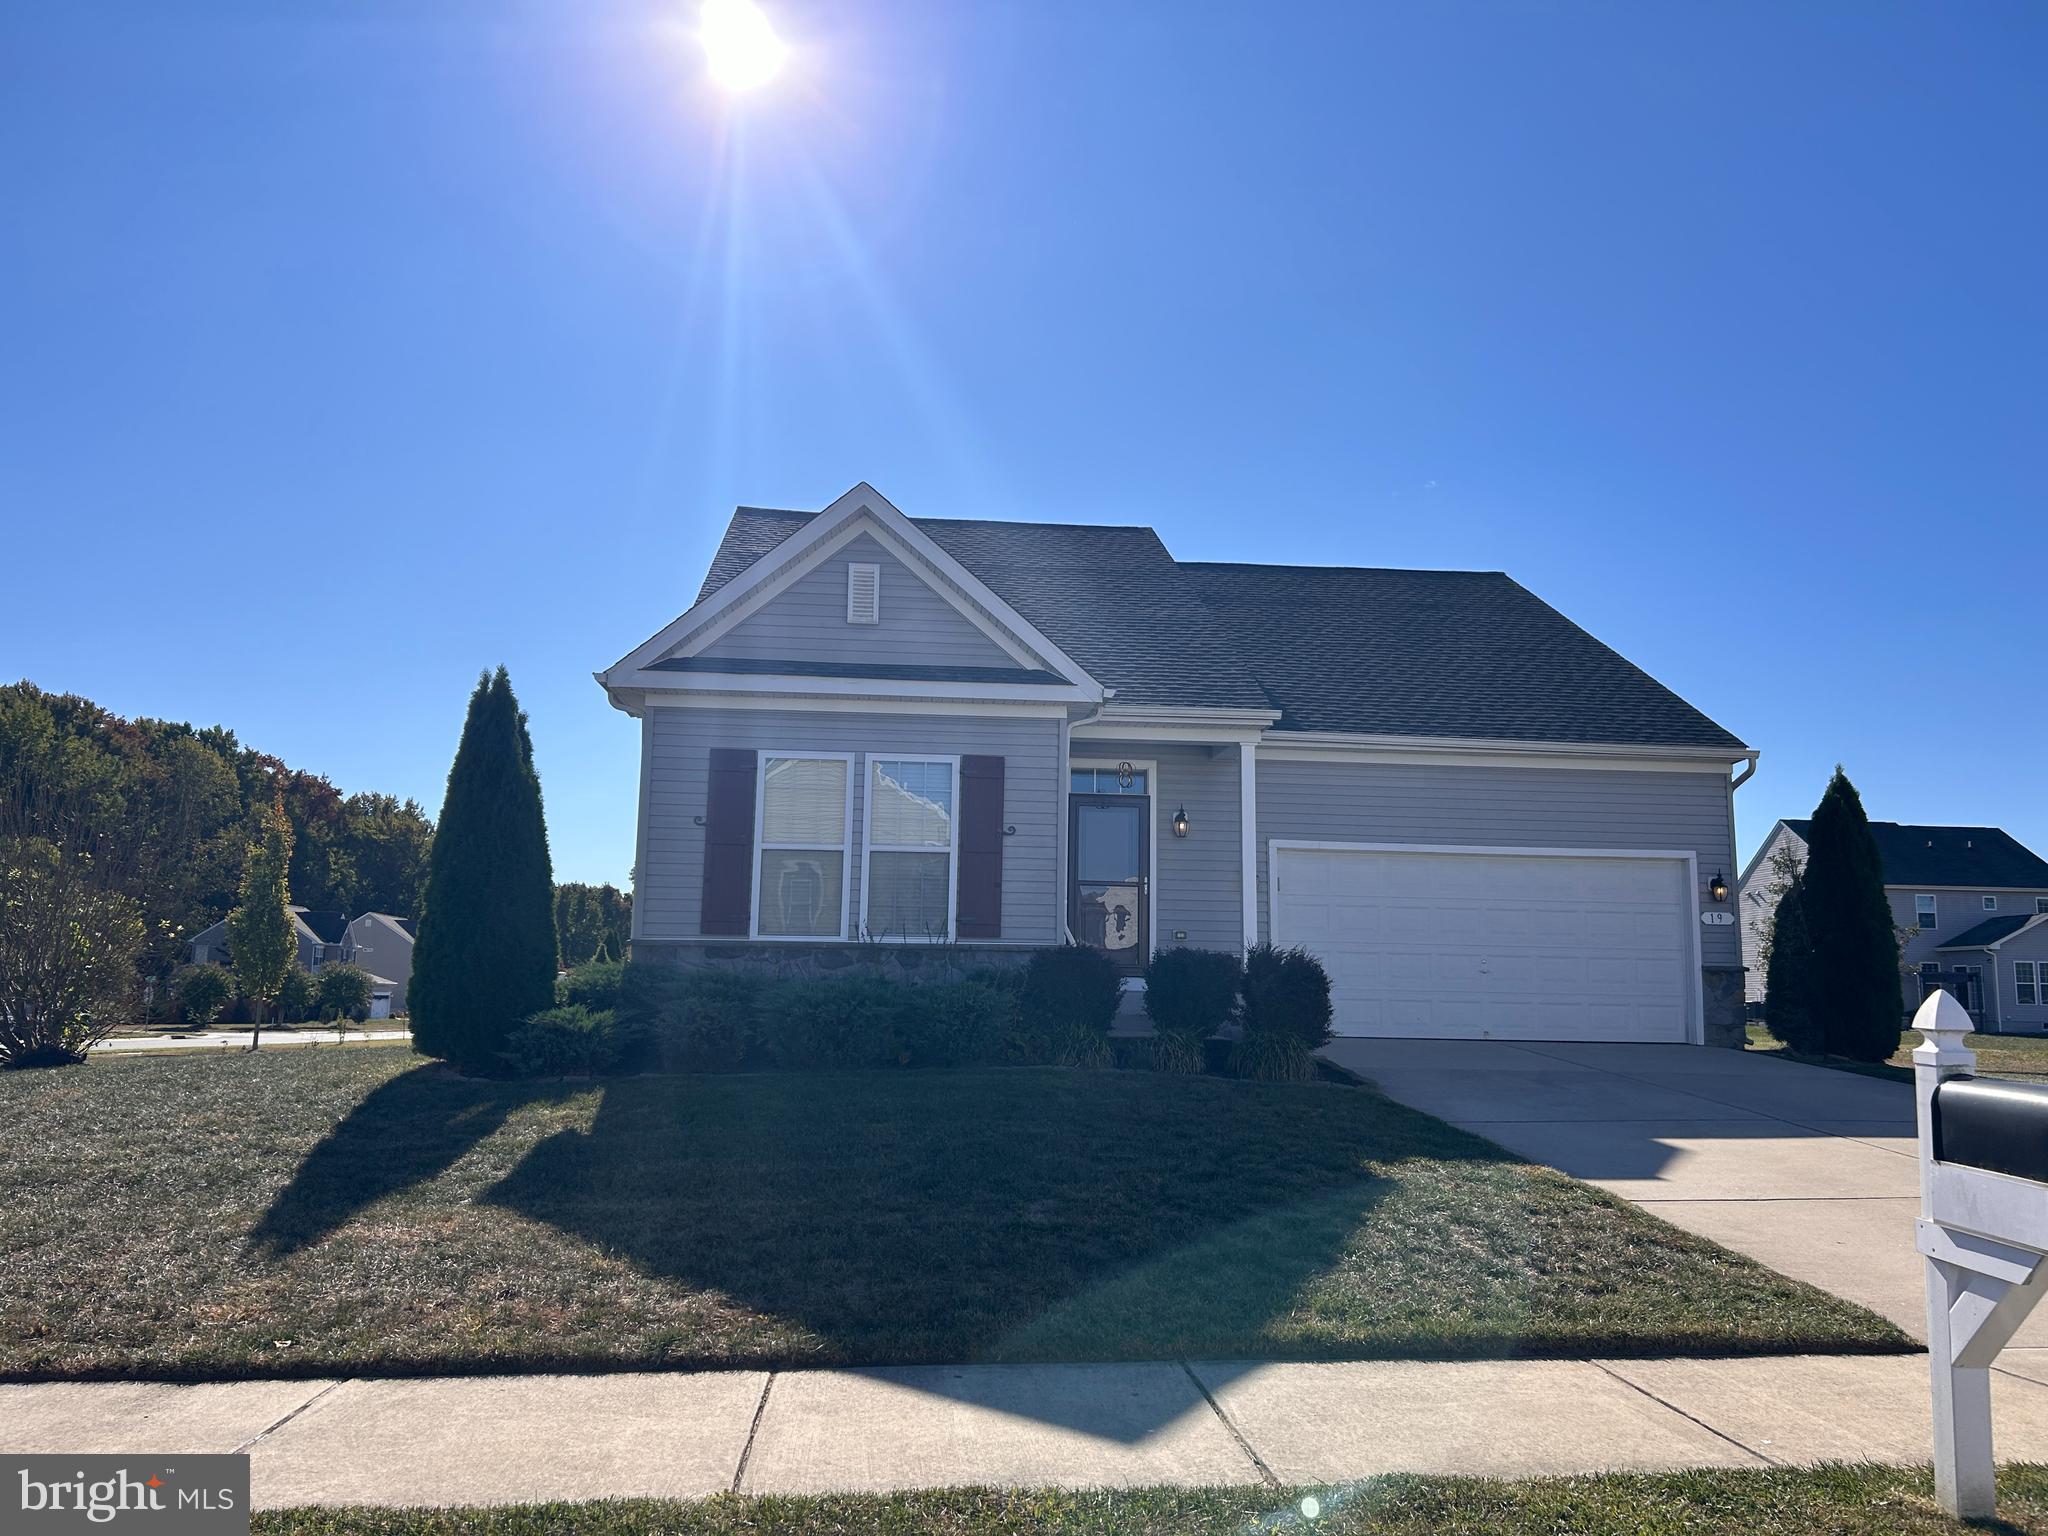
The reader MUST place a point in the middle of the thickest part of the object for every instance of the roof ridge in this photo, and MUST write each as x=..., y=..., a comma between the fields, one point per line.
x=1361, y=570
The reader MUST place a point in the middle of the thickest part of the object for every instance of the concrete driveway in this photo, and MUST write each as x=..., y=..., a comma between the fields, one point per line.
x=1806, y=1169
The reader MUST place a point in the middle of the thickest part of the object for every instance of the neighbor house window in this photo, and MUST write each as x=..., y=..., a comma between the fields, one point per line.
x=906, y=888
x=800, y=869
x=1923, y=911
x=1990, y=903
x=2041, y=904
x=2024, y=979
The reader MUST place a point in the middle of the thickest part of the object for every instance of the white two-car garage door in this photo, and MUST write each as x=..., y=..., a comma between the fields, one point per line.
x=1492, y=944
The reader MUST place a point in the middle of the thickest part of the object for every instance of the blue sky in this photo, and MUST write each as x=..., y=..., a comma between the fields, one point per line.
x=348, y=348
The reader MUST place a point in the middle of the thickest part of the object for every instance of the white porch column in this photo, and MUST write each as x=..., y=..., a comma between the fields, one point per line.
x=1248, y=835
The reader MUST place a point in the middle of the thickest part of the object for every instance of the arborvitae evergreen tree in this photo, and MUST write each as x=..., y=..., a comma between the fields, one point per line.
x=1788, y=979
x=263, y=941
x=485, y=956
x=1855, y=947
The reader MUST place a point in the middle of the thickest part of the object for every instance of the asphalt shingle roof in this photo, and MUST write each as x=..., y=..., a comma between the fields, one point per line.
x=1990, y=931
x=1381, y=652
x=1980, y=857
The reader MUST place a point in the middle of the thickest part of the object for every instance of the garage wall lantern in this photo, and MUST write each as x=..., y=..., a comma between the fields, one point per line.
x=1719, y=889
x=1180, y=822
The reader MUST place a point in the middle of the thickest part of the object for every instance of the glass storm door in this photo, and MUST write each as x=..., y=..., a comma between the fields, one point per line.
x=1109, y=840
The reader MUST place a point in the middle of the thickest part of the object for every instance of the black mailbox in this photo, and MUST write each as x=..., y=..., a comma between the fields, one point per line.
x=1989, y=1123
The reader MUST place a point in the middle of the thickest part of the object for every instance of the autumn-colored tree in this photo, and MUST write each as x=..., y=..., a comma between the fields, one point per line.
x=263, y=941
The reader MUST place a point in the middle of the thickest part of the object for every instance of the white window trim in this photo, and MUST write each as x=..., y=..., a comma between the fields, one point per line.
x=869, y=846
x=1150, y=767
x=2040, y=905
x=762, y=758
x=2032, y=983
x=1933, y=927
x=1990, y=903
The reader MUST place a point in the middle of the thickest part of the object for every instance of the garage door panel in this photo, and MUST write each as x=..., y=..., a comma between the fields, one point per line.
x=1452, y=945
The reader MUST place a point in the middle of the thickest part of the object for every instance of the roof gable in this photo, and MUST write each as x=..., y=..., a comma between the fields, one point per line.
x=1429, y=654
x=753, y=574
x=1993, y=932
x=1987, y=858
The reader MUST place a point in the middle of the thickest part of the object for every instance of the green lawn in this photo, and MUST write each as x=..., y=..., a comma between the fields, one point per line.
x=315, y=1211
x=1831, y=1501
x=1997, y=1055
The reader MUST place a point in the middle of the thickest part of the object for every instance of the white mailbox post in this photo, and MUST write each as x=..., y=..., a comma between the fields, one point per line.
x=1984, y=1232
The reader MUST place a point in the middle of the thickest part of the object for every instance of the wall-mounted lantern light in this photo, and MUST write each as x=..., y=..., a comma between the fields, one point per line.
x=1180, y=822
x=1719, y=889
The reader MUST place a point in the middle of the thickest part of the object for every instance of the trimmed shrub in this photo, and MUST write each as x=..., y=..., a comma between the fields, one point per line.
x=850, y=1022
x=1192, y=992
x=203, y=991
x=955, y=1023
x=1071, y=988
x=676, y=1020
x=1286, y=992
x=562, y=1042
x=298, y=997
x=595, y=984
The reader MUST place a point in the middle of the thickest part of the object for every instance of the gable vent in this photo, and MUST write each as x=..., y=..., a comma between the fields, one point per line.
x=863, y=594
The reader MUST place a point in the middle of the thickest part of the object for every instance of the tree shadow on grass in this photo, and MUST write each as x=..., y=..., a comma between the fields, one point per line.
x=951, y=1217
x=407, y=1131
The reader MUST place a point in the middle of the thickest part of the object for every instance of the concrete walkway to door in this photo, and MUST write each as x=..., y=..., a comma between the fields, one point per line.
x=1806, y=1169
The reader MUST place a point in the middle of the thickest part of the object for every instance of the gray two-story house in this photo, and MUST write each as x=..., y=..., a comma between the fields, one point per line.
x=882, y=734
x=1966, y=899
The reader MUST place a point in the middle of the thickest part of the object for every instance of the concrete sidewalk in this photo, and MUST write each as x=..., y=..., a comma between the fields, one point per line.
x=514, y=1439
x=1809, y=1170
x=233, y=1040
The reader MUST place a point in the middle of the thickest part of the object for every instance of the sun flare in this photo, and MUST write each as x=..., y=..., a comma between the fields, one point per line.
x=740, y=44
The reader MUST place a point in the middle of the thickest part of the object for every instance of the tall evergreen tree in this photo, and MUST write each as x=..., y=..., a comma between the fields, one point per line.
x=485, y=957
x=1788, y=977
x=1855, y=948
x=263, y=941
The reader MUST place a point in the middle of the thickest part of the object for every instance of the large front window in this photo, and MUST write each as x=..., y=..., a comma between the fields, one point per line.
x=907, y=885
x=800, y=878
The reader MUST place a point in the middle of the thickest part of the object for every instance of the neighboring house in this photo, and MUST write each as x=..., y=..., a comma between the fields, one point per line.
x=322, y=937
x=873, y=728
x=1943, y=883
x=382, y=945
x=379, y=943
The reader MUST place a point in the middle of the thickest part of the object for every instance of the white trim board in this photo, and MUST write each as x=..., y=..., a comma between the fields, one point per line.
x=1696, y=1020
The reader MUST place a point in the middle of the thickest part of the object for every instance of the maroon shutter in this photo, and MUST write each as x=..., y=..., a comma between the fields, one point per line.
x=729, y=842
x=980, y=901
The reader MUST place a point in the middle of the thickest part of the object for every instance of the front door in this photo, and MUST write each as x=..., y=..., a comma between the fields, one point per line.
x=1109, y=840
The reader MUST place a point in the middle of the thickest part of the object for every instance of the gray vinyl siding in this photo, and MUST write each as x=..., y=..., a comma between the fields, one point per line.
x=1199, y=891
x=1507, y=807
x=807, y=622
x=1956, y=913
x=2031, y=947
x=677, y=743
